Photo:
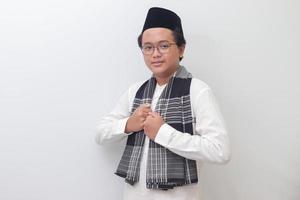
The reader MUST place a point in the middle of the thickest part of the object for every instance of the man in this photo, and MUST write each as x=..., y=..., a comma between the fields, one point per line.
x=171, y=121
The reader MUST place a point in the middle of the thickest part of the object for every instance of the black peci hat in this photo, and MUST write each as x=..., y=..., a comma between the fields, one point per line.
x=160, y=17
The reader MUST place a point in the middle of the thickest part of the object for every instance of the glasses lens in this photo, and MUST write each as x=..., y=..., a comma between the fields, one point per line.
x=164, y=47
x=147, y=49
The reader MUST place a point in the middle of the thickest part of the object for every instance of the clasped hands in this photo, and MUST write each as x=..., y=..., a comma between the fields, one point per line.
x=144, y=118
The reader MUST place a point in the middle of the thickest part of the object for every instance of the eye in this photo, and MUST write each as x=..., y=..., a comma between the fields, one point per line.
x=164, y=45
x=147, y=48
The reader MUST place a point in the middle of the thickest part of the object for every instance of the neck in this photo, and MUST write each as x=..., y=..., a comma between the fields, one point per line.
x=165, y=79
x=161, y=80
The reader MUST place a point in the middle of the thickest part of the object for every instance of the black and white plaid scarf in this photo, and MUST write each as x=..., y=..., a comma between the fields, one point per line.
x=165, y=169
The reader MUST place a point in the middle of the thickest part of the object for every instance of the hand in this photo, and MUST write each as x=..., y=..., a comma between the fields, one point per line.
x=136, y=121
x=152, y=124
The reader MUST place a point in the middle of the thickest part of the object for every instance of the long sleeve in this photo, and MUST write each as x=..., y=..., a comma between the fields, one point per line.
x=210, y=141
x=111, y=128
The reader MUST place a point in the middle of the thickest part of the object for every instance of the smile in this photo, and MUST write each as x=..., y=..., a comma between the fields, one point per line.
x=157, y=63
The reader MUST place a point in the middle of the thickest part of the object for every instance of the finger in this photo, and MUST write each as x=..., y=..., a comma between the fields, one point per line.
x=143, y=109
x=155, y=113
x=145, y=105
x=143, y=114
x=146, y=109
x=145, y=121
x=146, y=112
x=152, y=114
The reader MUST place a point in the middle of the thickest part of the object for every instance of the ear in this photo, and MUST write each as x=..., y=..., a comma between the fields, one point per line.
x=181, y=50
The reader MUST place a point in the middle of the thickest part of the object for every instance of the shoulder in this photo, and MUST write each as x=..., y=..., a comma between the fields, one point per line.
x=202, y=97
x=198, y=86
x=133, y=88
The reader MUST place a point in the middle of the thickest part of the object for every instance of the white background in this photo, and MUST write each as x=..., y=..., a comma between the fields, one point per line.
x=64, y=64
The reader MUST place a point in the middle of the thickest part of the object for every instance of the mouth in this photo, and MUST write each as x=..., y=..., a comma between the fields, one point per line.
x=157, y=63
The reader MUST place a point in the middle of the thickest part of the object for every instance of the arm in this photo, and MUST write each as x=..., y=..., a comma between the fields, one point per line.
x=210, y=141
x=111, y=128
x=118, y=124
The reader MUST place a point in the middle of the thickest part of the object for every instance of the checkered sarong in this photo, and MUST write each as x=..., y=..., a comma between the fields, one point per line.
x=165, y=169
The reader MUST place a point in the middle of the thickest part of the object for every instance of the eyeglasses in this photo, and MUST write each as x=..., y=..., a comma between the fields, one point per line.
x=162, y=47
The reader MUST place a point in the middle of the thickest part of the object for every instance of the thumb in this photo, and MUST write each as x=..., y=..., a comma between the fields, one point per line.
x=145, y=105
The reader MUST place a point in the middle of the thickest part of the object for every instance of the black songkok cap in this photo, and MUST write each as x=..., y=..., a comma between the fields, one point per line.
x=160, y=17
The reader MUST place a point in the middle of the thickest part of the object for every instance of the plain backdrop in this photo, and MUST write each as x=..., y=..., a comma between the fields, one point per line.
x=64, y=64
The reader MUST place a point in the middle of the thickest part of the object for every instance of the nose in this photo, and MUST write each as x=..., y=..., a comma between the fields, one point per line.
x=156, y=52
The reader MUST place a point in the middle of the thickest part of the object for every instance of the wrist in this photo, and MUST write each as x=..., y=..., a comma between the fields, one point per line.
x=127, y=126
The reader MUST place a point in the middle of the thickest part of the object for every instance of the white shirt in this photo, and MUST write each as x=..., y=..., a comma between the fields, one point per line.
x=208, y=144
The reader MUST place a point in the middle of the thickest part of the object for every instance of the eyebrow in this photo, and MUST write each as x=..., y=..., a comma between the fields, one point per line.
x=156, y=42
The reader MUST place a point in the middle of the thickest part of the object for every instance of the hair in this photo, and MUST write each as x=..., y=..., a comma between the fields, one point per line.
x=178, y=37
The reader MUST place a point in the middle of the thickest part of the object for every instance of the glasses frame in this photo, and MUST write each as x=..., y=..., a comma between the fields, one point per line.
x=157, y=47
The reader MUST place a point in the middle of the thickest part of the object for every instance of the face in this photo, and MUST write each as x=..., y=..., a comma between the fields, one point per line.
x=162, y=65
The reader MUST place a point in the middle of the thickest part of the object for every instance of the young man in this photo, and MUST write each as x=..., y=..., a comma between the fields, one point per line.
x=171, y=121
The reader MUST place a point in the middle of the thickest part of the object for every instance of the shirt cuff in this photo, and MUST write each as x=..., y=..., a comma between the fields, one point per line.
x=121, y=125
x=164, y=135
